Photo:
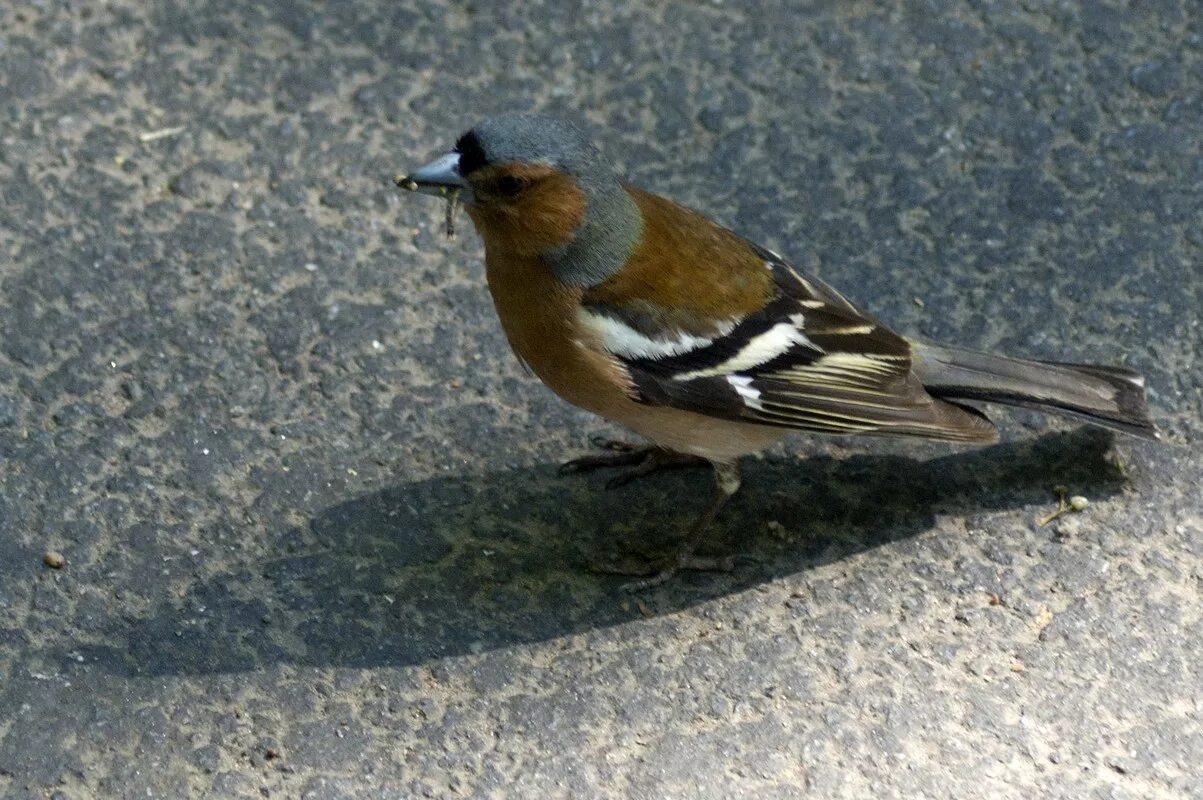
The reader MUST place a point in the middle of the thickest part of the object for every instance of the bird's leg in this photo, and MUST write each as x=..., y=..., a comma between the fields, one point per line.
x=642, y=460
x=727, y=481
x=726, y=484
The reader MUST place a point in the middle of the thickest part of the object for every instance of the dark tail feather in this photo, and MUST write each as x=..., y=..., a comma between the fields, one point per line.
x=1108, y=396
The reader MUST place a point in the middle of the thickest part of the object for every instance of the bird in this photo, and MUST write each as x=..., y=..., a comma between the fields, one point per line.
x=704, y=343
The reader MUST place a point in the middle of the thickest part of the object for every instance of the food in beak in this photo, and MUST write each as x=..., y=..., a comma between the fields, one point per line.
x=452, y=206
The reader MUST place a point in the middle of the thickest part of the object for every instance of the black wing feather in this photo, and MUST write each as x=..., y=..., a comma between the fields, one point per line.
x=844, y=372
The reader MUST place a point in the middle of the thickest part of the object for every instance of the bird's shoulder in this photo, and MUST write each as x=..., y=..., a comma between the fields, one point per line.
x=694, y=292
x=686, y=273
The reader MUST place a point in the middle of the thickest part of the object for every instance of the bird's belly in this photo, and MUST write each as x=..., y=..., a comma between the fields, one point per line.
x=682, y=431
x=711, y=438
x=591, y=380
x=546, y=337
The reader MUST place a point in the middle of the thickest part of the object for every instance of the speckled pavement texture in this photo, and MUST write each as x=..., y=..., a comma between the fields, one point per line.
x=315, y=543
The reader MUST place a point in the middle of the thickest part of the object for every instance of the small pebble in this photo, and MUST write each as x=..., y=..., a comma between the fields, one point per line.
x=54, y=559
x=1078, y=502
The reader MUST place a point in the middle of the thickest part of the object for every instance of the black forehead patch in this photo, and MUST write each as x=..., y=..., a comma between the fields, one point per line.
x=471, y=154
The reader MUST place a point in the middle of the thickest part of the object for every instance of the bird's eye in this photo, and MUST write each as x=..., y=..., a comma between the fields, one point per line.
x=510, y=185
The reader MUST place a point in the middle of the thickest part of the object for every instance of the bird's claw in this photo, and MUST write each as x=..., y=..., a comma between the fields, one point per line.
x=653, y=575
x=613, y=445
x=614, y=458
x=641, y=460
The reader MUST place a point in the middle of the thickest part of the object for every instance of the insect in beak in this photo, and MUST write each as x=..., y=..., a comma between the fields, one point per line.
x=440, y=178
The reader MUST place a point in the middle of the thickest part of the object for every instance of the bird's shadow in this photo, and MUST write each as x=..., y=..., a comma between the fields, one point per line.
x=454, y=565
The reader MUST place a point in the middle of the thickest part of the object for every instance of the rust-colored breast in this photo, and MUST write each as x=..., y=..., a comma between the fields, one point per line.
x=539, y=316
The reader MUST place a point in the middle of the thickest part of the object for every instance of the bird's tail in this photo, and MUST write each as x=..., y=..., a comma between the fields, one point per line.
x=1108, y=396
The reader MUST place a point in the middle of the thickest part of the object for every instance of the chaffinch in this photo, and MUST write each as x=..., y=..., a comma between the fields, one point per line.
x=708, y=345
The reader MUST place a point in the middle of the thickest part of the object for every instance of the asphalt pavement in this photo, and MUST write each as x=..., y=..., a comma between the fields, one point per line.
x=279, y=513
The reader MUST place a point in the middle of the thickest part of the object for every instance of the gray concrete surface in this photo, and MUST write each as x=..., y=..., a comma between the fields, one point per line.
x=315, y=544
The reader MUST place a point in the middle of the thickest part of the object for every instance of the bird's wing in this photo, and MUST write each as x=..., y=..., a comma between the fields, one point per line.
x=806, y=359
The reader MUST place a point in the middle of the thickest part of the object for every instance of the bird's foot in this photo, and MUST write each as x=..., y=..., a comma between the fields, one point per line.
x=641, y=460
x=652, y=573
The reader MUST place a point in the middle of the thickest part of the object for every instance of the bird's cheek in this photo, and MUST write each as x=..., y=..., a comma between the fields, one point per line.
x=526, y=230
x=473, y=210
x=502, y=232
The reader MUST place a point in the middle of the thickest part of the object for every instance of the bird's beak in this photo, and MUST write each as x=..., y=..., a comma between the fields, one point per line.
x=439, y=178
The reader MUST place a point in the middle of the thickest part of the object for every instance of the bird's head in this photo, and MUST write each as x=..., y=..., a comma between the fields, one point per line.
x=536, y=186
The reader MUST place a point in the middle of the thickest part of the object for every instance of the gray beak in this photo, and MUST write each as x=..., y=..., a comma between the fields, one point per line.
x=438, y=178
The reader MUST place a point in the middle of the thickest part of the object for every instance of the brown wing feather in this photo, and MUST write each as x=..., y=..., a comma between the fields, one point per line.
x=828, y=367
